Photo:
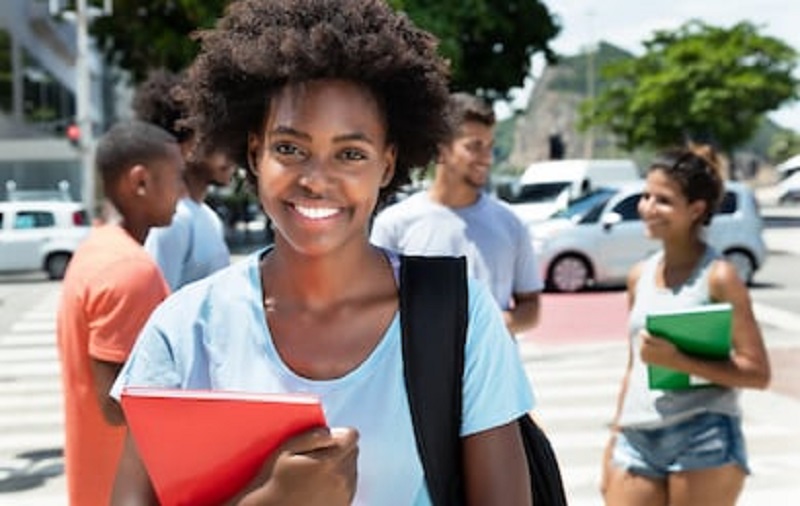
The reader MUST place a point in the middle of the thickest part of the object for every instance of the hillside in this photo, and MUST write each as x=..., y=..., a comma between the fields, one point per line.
x=553, y=110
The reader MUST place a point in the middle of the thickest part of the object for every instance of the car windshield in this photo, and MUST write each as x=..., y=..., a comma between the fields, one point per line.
x=538, y=192
x=581, y=206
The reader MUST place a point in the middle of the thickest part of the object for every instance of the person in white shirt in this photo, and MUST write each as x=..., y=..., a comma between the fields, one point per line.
x=456, y=217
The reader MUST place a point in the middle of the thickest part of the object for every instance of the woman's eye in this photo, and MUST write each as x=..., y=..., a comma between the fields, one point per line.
x=286, y=149
x=353, y=155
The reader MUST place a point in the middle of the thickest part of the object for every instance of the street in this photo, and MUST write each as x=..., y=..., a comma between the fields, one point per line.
x=574, y=359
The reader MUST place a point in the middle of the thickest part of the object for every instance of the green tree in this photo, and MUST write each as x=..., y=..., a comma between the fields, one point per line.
x=699, y=82
x=140, y=36
x=785, y=144
x=489, y=42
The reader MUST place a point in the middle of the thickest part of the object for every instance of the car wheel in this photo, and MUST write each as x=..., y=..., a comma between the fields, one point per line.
x=569, y=273
x=56, y=265
x=744, y=264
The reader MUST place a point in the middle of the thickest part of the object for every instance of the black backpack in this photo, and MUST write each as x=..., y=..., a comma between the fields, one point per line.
x=433, y=315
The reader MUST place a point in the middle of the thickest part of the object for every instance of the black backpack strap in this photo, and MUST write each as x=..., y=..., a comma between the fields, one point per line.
x=433, y=308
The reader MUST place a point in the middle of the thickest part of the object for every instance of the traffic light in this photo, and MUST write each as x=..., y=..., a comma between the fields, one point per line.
x=73, y=132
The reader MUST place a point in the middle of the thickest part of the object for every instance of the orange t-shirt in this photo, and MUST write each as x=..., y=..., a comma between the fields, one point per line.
x=110, y=288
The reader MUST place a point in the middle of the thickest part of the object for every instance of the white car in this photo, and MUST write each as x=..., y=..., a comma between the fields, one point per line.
x=548, y=186
x=789, y=189
x=40, y=235
x=600, y=236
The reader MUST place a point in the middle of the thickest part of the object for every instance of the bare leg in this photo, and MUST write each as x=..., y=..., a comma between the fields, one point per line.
x=718, y=486
x=627, y=489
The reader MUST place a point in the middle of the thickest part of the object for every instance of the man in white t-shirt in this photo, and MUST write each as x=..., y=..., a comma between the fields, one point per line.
x=454, y=216
x=193, y=246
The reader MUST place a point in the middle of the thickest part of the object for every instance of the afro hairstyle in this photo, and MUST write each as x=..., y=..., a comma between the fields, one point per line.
x=259, y=46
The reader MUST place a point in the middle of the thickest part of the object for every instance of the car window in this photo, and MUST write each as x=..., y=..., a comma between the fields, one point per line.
x=537, y=192
x=581, y=206
x=628, y=208
x=33, y=219
x=1, y=221
x=729, y=204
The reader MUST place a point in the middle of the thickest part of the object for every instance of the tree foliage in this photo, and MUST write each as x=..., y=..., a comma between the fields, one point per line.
x=699, y=82
x=489, y=42
x=784, y=145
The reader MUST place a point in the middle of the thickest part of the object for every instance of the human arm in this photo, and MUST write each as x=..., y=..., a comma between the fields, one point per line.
x=524, y=314
x=104, y=373
x=748, y=366
x=495, y=467
x=117, y=307
x=317, y=467
x=496, y=392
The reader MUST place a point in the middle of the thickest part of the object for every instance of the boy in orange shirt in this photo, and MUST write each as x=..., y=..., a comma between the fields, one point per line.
x=110, y=288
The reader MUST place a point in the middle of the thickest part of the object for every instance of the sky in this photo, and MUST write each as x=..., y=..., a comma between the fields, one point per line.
x=626, y=23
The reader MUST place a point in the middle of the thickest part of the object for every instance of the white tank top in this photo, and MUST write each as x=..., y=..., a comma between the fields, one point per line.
x=645, y=408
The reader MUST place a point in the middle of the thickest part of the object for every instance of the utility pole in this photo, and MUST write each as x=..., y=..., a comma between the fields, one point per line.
x=83, y=102
x=83, y=16
x=591, y=50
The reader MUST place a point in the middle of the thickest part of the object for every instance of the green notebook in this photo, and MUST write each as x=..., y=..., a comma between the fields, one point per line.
x=704, y=331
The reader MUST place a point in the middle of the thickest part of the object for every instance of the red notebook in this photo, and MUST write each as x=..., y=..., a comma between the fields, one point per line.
x=202, y=447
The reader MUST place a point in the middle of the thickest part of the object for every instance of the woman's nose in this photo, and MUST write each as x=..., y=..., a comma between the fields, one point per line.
x=314, y=177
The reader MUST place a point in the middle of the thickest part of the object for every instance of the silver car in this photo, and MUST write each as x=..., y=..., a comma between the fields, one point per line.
x=599, y=237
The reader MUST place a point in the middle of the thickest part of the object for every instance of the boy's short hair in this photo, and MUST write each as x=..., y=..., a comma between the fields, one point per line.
x=130, y=143
x=463, y=107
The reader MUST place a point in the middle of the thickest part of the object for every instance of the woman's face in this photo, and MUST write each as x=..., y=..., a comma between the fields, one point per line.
x=665, y=210
x=321, y=160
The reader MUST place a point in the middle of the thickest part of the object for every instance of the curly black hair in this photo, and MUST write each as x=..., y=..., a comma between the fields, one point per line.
x=259, y=46
x=696, y=169
x=155, y=101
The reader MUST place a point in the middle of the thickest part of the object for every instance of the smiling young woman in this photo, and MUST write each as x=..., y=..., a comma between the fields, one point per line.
x=329, y=103
x=683, y=447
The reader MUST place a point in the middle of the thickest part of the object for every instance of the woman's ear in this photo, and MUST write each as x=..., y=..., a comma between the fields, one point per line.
x=388, y=171
x=698, y=210
x=253, y=152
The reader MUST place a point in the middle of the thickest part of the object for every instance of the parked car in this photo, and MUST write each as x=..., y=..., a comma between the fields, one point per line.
x=548, y=186
x=40, y=235
x=599, y=237
x=789, y=189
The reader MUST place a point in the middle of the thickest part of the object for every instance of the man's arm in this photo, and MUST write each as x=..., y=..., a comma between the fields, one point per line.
x=524, y=314
x=104, y=373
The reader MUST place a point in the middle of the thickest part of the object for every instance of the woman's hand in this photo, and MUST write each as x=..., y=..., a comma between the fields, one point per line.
x=318, y=467
x=657, y=351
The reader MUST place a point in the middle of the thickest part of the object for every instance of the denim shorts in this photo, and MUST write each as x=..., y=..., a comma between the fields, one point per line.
x=704, y=441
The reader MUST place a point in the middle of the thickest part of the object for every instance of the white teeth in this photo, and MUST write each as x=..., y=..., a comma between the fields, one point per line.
x=316, y=213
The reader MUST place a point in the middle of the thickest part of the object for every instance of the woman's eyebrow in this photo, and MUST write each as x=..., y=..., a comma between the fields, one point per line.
x=355, y=136
x=287, y=130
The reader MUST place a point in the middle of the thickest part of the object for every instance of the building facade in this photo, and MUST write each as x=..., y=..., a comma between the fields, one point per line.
x=38, y=81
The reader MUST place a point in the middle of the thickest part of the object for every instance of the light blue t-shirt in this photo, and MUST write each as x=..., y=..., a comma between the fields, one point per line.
x=213, y=334
x=496, y=243
x=191, y=247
